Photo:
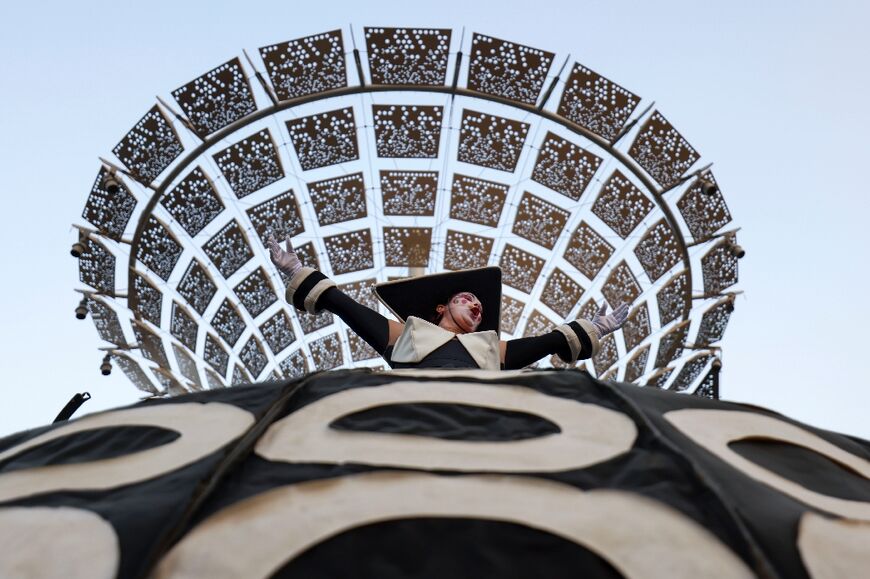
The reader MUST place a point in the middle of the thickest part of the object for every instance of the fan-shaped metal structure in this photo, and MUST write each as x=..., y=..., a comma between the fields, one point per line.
x=419, y=150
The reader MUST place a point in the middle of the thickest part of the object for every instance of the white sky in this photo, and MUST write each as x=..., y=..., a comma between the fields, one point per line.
x=774, y=93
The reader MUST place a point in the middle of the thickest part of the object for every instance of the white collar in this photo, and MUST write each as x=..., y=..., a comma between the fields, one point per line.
x=420, y=338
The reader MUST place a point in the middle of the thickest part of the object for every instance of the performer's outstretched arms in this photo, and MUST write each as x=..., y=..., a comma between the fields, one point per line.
x=577, y=340
x=311, y=291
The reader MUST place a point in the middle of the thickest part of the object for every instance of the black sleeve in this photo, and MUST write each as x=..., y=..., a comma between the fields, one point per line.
x=365, y=322
x=521, y=352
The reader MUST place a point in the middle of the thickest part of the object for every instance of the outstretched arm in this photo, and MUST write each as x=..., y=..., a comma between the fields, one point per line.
x=311, y=291
x=577, y=340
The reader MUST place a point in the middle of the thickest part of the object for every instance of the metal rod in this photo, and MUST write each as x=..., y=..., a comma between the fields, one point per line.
x=356, y=58
x=153, y=185
x=553, y=85
x=630, y=125
x=74, y=404
x=263, y=83
x=181, y=119
x=685, y=178
x=715, y=236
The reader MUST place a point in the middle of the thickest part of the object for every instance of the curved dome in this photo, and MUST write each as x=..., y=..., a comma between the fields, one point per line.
x=417, y=152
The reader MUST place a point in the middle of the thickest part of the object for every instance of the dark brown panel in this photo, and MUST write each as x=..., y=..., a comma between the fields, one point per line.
x=596, y=103
x=306, y=65
x=150, y=146
x=408, y=56
x=109, y=212
x=564, y=167
x=662, y=151
x=409, y=192
x=490, y=141
x=324, y=139
x=250, y=164
x=508, y=70
x=218, y=98
x=194, y=203
x=407, y=131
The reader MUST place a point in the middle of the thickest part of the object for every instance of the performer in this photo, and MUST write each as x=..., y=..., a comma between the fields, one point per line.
x=450, y=320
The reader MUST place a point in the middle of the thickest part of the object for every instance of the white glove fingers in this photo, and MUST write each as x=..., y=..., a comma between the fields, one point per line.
x=603, y=309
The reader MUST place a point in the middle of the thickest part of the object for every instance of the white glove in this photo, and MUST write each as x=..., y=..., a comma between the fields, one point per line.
x=286, y=261
x=605, y=324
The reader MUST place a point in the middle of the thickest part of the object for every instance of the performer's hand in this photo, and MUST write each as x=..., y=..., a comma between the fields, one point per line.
x=286, y=261
x=605, y=324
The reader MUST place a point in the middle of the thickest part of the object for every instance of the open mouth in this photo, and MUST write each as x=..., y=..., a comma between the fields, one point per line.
x=475, y=312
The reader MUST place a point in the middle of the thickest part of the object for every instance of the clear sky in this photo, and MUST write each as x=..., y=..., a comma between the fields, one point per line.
x=774, y=93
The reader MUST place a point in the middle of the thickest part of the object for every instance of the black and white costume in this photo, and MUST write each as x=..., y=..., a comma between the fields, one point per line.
x=423, y=344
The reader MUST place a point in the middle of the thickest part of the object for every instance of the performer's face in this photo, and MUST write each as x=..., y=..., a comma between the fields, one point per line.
x=464, y=310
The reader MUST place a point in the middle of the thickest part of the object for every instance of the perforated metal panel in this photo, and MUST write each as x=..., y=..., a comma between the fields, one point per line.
x=109, y=212
x=409, y=192
x=278, y=332
x=621, y=205
x=672, y=299
x=637, y=327
x=719, y=268
x=537, y=324
x=408, y=131
x=350, y=251
x=158, y=248
x=256, y=292
x=218, y=98
x=636, y=366
x=704, y=212
x=508, y=70
x=466, y=251
x=407, y=246
x=182, y=326
x=327, y=352
x=539, y=221
x=607, y=355
x=228, y=323
x=408, y=56
x=596, y=103
x=253, y=357
x=278, y=216
x=564, y=167
x=658, y=250
x=339, y=199
x=671, y=345
x=477, y=200
x=150, y=299
x=97, y=267
x=197, y=287
x=662, y=151
x=511, y=310
x=106, y=321
x=228, y=249
x=491, y=141
x=250, y=164
x=150, y=146
x=193, y=203
x=690, y=371
x=714, y=321
x=324, y=139
x=520, y=269
x=621, y=286
x=561, y=293
x=305, y=66
x=587, y=251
